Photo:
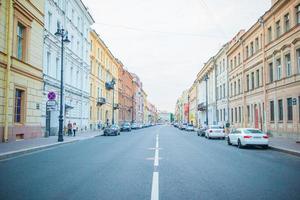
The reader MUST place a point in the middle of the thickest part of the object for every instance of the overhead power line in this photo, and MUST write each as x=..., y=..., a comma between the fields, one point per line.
x=137, y=29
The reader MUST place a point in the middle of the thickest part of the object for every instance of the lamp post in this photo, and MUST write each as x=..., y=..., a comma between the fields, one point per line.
x=63, y=36
x=206, y=97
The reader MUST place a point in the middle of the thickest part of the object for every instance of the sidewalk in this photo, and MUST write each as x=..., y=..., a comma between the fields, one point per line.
x=16, y=148
x=286, y=145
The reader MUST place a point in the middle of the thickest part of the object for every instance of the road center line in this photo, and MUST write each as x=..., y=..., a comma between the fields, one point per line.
x=155, y=178
x=155, y=184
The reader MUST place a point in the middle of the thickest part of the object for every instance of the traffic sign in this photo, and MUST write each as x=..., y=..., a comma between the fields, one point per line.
x=51, y=96
x=51, y=105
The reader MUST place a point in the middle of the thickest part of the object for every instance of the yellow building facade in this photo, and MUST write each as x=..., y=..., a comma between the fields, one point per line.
x=193, y=104
x=21, y=71
x=104, y=68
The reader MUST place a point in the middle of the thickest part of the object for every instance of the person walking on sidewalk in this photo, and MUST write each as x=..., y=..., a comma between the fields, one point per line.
x=69, y=128
x=74, y=129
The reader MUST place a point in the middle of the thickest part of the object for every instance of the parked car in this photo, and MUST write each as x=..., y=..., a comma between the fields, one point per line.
x=189, y=127
x=201, y=132
x=247, y=137
x=183, y=126
x=215, y=131
x=135, y=126
x=112, y=130
x=126, y=126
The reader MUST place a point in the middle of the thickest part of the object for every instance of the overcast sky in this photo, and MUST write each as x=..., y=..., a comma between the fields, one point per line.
x=166, y=42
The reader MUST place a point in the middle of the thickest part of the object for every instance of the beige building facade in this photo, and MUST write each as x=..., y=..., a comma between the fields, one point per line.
x=104, y=68
x=264, y=72
x=21, y=77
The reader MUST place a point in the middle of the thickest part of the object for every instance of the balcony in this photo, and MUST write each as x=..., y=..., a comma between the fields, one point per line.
x=101, y=101
x=116, y=106
x=201, y=107
x=109, y=86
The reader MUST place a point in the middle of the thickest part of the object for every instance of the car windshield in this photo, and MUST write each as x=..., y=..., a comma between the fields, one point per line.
x=255, y=131
x=126, y=124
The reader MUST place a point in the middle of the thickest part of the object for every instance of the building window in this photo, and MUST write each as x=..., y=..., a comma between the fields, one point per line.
x=20, y=41
x=289, y=109
x=239, y=58
x=256, y=44
x=251, y=49
x=298, y=60
x=231, y=90
x=57, y=68
x=280, y=110
x=235, y=115
x=230, y=64
x=279, y=70
x=235, y=61
x=240, y=115
x=252, y=80
x=221, y=114
x=298, y=14
x=231, y=115
x=248, y=113
x=49, y=21
x=287, y=22
x=247, y=51
x=99, y=71
x=224, y=113
x=234, y=88
x=48, y=63
x=257, y=78
x=270, y=34
x=288, y=66
x=224, y=90
x=278, y=31
x=272, y=111
x=217, y=114
x=299, y=107
x=248, y=82
x=239, y=86
x=19, y=106
x=271, y=73
x=221, y=92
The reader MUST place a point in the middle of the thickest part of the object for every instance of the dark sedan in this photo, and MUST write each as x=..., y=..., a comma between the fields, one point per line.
x=112, y=130
x=126, y=127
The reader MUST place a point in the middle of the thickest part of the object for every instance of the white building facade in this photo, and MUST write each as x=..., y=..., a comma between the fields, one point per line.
x=221, y=86
x=72, y=15
x=209, y=70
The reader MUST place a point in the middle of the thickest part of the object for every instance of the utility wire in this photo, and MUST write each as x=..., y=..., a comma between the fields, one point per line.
x=137, y=29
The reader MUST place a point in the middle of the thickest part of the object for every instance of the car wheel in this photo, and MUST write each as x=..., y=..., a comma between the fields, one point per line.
x=239, y=144
x=198, y=134
x=266, y=146
x=228, y=141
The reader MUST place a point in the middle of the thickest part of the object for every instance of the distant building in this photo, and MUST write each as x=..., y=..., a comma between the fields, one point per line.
x=164, y=117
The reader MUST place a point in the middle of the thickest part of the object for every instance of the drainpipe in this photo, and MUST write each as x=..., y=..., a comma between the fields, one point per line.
x=9, y=21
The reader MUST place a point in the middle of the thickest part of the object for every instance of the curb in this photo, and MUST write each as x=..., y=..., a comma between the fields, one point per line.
x=11, y=154
x=284, y=150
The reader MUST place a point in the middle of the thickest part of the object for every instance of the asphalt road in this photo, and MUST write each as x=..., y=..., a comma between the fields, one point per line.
x=123, y=167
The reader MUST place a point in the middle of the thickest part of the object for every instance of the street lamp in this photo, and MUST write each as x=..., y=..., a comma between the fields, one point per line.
x=206, y=94
x=63, y=36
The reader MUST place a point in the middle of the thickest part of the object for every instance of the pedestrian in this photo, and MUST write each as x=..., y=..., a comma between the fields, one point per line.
x=74, y=129
x=69, y=128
